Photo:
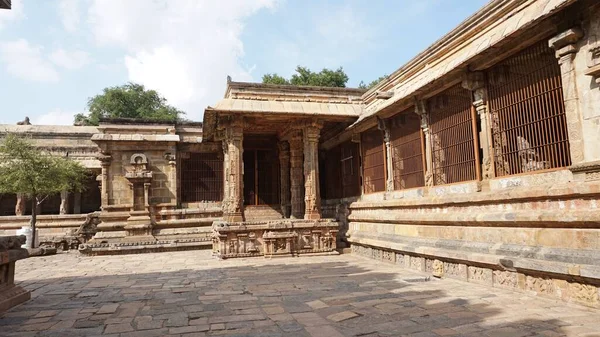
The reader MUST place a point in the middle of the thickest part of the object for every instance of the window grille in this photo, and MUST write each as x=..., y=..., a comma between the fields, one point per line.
x=453, y=146
x=373, y=154
x=406, y=140
x=202, y=177
x=529, y=128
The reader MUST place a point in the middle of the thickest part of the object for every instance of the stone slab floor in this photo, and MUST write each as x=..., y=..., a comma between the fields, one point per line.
x=192, y=294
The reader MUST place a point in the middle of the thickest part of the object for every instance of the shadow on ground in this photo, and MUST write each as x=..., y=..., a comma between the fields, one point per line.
x=279, y=299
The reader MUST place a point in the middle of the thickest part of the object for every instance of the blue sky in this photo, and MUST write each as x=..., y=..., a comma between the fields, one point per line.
x=55, y=54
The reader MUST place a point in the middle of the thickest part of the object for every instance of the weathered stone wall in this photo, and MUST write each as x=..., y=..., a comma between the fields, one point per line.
x=573, y=289
x=587, y=85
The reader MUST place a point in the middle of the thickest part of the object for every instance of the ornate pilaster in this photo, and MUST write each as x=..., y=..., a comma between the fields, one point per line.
x=233, y=206
x=64, y=202
x=475, y=82
x=421, y=111
x=105, y=160
x=383, y=125
x=284, y=165
x=312, y=194
x=172, y=161
x=296, y=175
x=20, y=206
x=566, y=48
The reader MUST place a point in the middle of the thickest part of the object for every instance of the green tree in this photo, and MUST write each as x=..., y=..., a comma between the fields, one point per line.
x=26, y=170
x=304, y=76
x=128, y=101
x=373, y=83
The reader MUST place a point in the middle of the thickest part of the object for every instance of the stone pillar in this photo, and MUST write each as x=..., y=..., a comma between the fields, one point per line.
x=312, y=193
x=20, y=206
x=475, y=82
x=64, y=202
x=172, y=176
x=389, y=163
x=284, y=165
x=105, y=163
x=422, y=112
x=77, y=203
x=566, y=48
x=296, y=175
x=233, y=207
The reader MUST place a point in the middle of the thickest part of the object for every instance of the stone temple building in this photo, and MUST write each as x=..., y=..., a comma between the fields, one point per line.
x=479, y=160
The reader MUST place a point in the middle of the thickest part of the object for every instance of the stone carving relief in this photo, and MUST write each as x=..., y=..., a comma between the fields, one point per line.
x=539, y=285
x=480, y=275
x=388, y=256
x=438, y=268
x=274, y=238
x=376, y=254
x=584, y=293
x=416, y=263
x=505, y=279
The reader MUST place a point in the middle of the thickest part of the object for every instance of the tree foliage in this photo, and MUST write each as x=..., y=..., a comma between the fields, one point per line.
x=304, y=76
x=26, y=170
x=128, y=101
x=371, y=84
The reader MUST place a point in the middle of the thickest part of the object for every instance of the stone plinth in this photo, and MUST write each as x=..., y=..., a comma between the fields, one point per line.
x=274, y=238
x=10, y=252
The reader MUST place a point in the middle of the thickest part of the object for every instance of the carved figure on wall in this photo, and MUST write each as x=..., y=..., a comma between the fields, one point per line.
x=530, y=160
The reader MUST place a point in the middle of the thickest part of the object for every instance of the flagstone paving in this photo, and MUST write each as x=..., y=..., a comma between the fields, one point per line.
x=192, y=294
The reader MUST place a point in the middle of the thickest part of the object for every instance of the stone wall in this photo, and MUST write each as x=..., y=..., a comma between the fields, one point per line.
x=574, y=289
x=518, y=232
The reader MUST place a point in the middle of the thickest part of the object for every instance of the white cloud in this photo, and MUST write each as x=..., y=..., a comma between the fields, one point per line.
x=184, y=48
x=54, y=117
x=69, y=13
x=70, y=59
x=16, y=13
x=26, y=61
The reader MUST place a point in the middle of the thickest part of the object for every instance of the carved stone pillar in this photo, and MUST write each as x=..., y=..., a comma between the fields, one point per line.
x=475, y=82
x=389, y=166
x=312, y=194
x=422, y=112
x=566, y=48
x=284, y=165
x=296, y=175
x=233, y=207
x=172, y=160
x=105, y=160
x=20, y=206
x=64, y=202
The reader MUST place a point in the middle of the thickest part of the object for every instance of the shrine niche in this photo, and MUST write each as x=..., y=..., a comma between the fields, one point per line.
x=139, y=222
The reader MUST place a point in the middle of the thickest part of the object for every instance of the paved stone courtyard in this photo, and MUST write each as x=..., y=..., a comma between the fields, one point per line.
x=192, y=294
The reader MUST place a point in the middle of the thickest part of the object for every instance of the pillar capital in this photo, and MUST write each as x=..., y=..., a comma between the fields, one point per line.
x=565, y=43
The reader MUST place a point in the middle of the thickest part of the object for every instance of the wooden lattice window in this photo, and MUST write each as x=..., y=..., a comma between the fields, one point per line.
x=406, y=139
x=529, y=128
x=373, y=154
x=201, y=177
x=350, y=163
x=453, y=144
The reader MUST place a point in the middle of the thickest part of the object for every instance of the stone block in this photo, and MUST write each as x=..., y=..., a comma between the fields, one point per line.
x=11, y=251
